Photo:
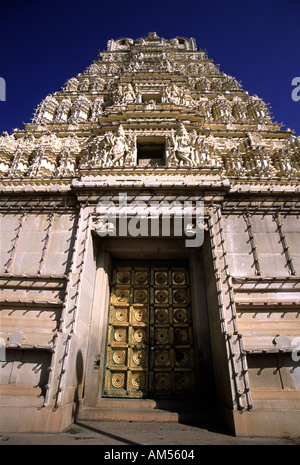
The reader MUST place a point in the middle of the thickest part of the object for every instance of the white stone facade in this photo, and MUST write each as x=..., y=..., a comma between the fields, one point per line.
x=156, y=119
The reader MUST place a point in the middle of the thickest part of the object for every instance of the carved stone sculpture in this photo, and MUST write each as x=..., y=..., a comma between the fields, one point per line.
x=116, y=148
x=182, y=147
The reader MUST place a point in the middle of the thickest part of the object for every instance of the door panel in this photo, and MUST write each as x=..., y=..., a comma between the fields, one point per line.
x=150, y=340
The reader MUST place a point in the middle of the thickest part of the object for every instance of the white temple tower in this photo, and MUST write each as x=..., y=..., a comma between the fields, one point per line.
x=98, y=308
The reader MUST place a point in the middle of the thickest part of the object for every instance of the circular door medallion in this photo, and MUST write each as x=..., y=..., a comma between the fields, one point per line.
x=161, y=296
x=181, y=336
x=162, y=336
x=117, y=380
x=139, y=335
x=180, y=315
x=123, y=277
x=162, y=357
x=121, y=315
x=120, y=335
x=141, y=277
x=179, y=296
x=161, y=315
x=139, y=357
x=122, y=295
x=179, y=277
x=182, y=357
x=161, y=278
x=140, y=296
x=162, y=382
x=138, y=381
x=183, y=381
x=140, y=315
x=119, y=357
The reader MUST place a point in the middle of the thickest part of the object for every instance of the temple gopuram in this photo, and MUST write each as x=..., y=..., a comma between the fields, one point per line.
x=111, y=317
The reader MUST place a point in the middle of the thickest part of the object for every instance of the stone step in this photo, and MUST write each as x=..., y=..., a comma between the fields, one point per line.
x=126, y=403
x=124, y=414
x=143, y=410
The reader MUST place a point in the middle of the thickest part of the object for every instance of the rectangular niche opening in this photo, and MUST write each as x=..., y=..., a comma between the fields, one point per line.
x=150, y=96
x=151, y=151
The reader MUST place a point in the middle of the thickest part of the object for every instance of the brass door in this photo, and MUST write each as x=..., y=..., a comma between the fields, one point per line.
x=150, y=342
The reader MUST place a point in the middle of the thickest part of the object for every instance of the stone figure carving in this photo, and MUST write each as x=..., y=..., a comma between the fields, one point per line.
x=21, y=158
x=97, y=108
x=45, y=111
x=233, y=162
x=221, y=110
x=116, y=148
x=216, y=85
x=205, y=109
x=63, y=111
x=178, y=95
x=124, y=94
x=92, y=69
x=165, y=62
x=84, y=85
x=97, y=84
x=150, y=105
x=230, y=83
x=112, y=69
x=173, y=95
x=71, y=85
x=8, y=145
x=80, y=110
x=183, y=149
x=202, y=84
x=239, y=110
x=129, y=94
x=67, y=163
x=258, y=110
x=7, y=142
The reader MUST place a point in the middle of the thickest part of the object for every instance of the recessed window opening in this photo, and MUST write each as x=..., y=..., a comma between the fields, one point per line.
x=150, y=96
x=151, y=151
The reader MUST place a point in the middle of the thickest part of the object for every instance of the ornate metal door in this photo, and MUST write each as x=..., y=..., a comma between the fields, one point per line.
x=150, y=342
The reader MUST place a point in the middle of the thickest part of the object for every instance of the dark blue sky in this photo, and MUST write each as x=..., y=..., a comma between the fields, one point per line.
x=44, y=43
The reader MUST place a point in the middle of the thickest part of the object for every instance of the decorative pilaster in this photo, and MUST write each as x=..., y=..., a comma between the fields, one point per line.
x=237, y=364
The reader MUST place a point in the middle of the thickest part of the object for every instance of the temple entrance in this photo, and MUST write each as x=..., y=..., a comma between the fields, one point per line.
x=149, y=351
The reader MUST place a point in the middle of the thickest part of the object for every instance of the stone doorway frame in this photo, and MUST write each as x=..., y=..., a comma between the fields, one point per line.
x=106, y=249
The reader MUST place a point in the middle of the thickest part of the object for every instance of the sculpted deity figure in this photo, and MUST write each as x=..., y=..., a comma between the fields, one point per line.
x=97, y=108
x=63, y=110
x=45, y=111
x=124, y=94
x=84, y=85
x=129, y=94
x=80, y=110
x=183, y=147
x=116, y=148
x=71, y=85
x=97, y=84
x=7, y=142
x=173, y=95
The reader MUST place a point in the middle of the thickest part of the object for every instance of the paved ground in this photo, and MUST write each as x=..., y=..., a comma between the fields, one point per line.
x=133, y=433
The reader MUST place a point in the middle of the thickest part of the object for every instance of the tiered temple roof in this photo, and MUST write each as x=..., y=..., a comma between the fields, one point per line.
x=151, y=103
